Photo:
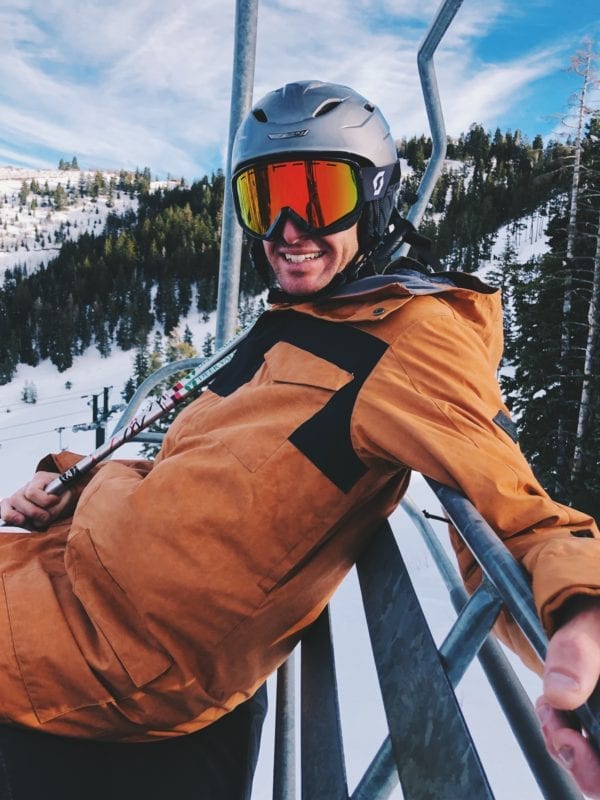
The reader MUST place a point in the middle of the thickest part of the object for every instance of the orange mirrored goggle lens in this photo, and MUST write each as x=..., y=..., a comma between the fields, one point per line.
x=320, y=192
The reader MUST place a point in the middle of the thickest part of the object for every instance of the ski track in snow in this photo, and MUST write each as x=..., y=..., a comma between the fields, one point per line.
x=28, y=431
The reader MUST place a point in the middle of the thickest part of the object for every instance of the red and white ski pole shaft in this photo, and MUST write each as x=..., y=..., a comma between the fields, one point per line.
x=155, y=408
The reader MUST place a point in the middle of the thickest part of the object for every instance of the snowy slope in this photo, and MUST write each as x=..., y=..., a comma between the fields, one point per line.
x=28, y=236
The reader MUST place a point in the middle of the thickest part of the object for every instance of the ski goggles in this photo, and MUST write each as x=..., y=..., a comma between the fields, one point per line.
x=325, y=195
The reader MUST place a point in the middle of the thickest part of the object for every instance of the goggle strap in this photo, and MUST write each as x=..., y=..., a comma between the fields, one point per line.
x=375, y=180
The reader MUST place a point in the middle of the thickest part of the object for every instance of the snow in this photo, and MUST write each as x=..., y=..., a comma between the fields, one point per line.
x=527, y=237
x=23, y=228
x=28, y=431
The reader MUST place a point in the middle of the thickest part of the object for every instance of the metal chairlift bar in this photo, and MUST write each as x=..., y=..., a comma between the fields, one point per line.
x=510, y=580
x=381, y=776
x=470, y=631
x=284, y=759
x=432, y=745
x=323, y=767
x=151, y=382
x=496, y=561
x=242, y=84
x=438, y=28
x=554, y=782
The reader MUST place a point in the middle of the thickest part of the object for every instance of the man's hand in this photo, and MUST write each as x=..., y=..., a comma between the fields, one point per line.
x=571, y=672
x=33, y=507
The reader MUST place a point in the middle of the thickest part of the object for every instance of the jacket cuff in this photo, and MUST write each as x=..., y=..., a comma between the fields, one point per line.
x=58, y=462
x=563, y=569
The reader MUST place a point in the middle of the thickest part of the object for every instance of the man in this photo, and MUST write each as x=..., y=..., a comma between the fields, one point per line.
x=177, y=587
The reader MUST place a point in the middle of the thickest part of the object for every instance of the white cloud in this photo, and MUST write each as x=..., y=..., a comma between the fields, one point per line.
x=148, y=83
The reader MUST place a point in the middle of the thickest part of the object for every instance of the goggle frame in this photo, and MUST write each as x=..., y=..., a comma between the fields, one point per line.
x=370, y=182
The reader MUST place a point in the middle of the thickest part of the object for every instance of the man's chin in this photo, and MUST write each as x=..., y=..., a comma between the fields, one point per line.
x=301, y=287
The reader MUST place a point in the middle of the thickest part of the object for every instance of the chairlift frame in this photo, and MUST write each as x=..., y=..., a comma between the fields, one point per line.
x=513, y=590
x=323, y=769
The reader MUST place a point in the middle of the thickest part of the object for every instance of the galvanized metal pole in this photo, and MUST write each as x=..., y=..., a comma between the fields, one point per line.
x=284, y=761
x=242, y=84
x=438, y=28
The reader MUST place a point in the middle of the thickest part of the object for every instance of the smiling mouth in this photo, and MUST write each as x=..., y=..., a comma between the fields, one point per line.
x=299, y=259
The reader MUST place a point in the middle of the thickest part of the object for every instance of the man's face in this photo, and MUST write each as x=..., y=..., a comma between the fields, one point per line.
x=304, y=263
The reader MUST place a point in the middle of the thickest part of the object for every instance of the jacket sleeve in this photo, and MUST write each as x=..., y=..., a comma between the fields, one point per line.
x=431, y=405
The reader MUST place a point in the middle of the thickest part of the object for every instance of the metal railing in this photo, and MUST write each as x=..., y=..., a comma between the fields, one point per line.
x=433, y=107
x=429, y=749
x=244, y=56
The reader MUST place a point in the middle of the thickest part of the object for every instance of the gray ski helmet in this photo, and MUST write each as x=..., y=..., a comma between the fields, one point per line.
x=316, y=117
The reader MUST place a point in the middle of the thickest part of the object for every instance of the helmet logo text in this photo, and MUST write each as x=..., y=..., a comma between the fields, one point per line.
x=288, y=134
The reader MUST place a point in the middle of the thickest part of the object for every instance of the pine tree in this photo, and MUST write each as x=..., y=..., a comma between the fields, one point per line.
x=23, y=193
x=29, y=392
x=555, y=389
x=188, y=336
x=141, y=363
x=208, y=345
x=60, y=198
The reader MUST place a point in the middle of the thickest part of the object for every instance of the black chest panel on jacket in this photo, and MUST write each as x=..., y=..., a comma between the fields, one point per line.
x=324, y=438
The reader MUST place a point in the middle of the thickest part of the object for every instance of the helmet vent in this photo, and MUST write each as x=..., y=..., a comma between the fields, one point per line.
x=327, y=106
x=259, y=115
x=369, y=107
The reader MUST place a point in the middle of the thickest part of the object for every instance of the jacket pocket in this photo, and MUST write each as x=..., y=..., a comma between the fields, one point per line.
x=291, y=386
x=113, y=614
x=56, y=675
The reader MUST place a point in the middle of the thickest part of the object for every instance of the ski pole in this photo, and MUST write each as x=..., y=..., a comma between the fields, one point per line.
x=156, y=407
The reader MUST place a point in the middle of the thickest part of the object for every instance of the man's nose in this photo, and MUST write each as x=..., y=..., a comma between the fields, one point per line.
x=291, y=232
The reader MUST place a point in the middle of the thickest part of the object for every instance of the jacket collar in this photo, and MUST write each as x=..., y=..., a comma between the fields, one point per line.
x=404, y=281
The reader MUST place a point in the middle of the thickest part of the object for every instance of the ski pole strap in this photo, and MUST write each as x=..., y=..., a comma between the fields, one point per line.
x=512, y=584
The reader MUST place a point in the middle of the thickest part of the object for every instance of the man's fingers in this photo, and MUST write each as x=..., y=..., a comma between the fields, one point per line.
x=35, y=492
x=11, y=515
x=571, y=672
x=33, y=505
x=570, y=749
x=572, y=663
x=577, y=755
x=551, y=722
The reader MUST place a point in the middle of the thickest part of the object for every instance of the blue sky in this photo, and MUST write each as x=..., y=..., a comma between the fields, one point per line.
x=122, y=84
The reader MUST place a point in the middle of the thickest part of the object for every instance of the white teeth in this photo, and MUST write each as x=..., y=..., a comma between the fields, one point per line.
x=298, y=259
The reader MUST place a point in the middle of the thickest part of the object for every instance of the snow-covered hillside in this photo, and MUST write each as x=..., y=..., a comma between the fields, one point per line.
x=32, y=228
x=31, y=232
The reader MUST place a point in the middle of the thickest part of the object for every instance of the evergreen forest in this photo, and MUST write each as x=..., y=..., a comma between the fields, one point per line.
x=147, y=267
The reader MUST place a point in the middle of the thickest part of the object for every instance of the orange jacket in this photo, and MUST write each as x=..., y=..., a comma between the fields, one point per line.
x=178, y=586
